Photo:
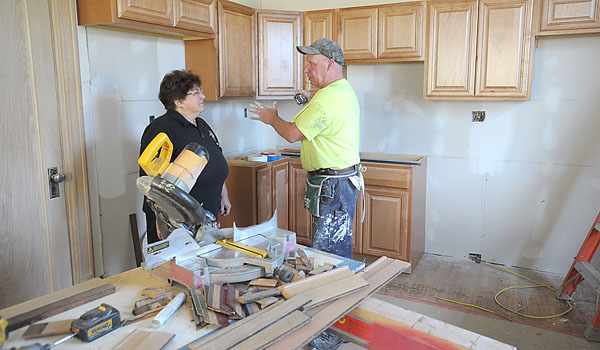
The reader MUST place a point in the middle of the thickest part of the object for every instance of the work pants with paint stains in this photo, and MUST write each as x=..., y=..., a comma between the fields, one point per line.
x=332, y=229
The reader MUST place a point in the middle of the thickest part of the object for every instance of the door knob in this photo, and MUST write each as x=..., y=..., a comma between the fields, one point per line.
x=54, y=178
x=57, y=178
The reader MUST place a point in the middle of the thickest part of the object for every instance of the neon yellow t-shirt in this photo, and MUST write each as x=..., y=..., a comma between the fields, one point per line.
x=330, y=125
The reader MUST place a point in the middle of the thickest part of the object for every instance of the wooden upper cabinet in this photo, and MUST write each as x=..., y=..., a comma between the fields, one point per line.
x=400, y=31
x=450, y=64
x=317, y=25
x=177, y=17
x=195, y=14
x=279, y=64
x=504, y=48
x=237, y=50
x=151, y=11
x=358, y=32
x=479, y=49
x=569, y=17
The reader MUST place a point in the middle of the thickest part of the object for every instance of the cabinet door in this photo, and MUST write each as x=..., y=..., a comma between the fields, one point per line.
x=279, y=64
x=237, y=50
x=450, y=62
x=281, y=196
x=300, y=219
x=358, y=33
x=504, y=47
x=264, y=197
x=150, y=11
x=317, y=25
x=241, y=187
x=199, y=15
x=570, y=16
x=386, y=226
x=400, y=31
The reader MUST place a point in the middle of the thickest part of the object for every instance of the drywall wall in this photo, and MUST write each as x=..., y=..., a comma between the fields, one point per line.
x=521, y=188
x=121, y=74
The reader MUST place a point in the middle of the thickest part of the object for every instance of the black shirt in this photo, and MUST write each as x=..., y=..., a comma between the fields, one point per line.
x=207, y=190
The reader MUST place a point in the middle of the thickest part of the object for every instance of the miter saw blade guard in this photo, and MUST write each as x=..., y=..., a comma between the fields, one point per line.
x=173, y=206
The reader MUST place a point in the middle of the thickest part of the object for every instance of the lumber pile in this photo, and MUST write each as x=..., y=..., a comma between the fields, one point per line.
x=276, y=315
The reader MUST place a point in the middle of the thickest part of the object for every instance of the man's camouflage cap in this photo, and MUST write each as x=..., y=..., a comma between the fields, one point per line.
x=325, y=47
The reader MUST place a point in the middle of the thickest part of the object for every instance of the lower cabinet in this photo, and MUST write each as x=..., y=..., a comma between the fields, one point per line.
x=300, y=219
x=386, y=226
x=394, y=222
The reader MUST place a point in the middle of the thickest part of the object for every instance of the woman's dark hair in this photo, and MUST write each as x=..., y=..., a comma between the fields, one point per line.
x=175, y=86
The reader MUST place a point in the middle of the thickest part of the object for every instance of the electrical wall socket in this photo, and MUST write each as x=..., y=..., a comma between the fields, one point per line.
x=476, y=257
x=478, y=116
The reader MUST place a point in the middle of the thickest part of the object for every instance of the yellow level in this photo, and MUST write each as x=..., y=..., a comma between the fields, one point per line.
x=242, y=248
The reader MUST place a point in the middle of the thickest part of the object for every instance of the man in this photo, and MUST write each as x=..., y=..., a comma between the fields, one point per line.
x=328, y=128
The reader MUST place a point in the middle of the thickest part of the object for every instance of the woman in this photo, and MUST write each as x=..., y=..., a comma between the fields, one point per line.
x=181, y=95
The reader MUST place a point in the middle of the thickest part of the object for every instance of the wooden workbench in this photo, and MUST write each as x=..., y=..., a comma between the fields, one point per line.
x=130, y=284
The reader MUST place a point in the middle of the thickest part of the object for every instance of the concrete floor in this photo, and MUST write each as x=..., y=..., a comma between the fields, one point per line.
x=522, y=336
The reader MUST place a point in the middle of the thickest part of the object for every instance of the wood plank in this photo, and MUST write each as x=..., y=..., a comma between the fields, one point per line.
x=284, y=326
x=377, y=274
x=40, y=308
x=264, y=282
x=143, y=340
x=305, y=260
x=237, y=332
x=250, y=297
x=334, y=290
x=311, y=282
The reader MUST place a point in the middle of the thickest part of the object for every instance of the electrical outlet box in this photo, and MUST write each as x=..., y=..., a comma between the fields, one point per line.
x=476, y=257
x=478, y=116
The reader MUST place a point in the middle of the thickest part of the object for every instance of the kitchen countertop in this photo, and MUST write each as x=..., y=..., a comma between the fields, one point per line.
x=403, y=159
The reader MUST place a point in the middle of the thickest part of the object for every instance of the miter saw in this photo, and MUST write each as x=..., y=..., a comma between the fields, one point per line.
x=193, y=250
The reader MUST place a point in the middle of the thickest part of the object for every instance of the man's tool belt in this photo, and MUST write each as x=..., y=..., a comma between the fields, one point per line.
x=328, y=171
x=319, y=187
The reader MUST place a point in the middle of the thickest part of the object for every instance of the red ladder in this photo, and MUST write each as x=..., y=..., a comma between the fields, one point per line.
x=582, y=270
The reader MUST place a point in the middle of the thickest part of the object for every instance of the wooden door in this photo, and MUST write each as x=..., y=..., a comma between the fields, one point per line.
x=198, y=15
x=264, y=193
x=46, y=243
x=358, y=32
x=149, y=11
x=237, y=50
x=400, y=32
x=569, y=16
x=300, y=219
x=450, y=62
x=280, y=191
x=317, y=25
x=385, y=230
x=279, y=64
x=504, y=48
